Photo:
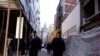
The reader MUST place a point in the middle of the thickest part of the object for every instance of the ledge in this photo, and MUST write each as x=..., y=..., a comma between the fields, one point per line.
x=93, y=21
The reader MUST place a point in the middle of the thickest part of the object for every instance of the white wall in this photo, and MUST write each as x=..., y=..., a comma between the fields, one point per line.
x=73, y=20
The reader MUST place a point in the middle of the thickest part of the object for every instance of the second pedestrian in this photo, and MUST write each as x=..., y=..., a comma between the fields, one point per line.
x=35, y=44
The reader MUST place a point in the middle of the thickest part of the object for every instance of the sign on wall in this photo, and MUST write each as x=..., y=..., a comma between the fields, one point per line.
x=19, y=27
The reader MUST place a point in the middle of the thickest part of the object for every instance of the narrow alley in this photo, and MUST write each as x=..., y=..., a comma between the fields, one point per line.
x=49, y=27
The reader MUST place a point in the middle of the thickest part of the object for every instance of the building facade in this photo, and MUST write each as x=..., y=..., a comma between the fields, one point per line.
x=80, y=15
x=51, y=33
x=44, y=33
x=68, y=6
x=64, y=8
x=10, y=11
x=71, y=25
x=59, y=16
x=31, y=10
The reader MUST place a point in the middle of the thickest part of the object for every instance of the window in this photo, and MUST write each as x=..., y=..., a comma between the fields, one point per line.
x=89, y=9
x=99, y=4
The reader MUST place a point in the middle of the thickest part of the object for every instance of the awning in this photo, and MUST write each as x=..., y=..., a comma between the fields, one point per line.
x=14, y=4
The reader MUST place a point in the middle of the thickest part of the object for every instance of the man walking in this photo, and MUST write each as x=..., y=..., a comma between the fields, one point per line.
x=35, y=44
x=58, y=45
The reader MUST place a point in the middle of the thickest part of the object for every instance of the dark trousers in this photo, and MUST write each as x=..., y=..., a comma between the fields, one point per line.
x=55, y=53
x=33, y=53
x=22, y=52
x=48, y=51
x=10, y=51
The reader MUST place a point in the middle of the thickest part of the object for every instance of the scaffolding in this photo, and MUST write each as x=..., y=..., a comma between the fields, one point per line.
x=12, y=9
x=8, y=5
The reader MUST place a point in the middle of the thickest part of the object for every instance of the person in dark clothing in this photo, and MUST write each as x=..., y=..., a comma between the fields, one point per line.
x=9, y=45
x=48, y=47
x=35, y=45
x=58, y=45
x=22, y=47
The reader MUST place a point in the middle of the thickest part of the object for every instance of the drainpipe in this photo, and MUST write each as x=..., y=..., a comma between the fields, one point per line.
x=25, y=37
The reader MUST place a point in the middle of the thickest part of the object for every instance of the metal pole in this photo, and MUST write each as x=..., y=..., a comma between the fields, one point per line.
x=19, y=36
x=25, y=37
x=7, y=26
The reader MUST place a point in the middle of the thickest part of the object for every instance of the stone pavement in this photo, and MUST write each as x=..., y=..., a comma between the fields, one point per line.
x=42, y=52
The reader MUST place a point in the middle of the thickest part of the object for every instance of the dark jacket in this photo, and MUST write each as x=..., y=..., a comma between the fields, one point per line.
x=48, y=47
x=58, y=45
x=35, y=44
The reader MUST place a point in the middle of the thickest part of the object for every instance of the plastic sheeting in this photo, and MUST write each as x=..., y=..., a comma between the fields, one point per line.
x=84, y=44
